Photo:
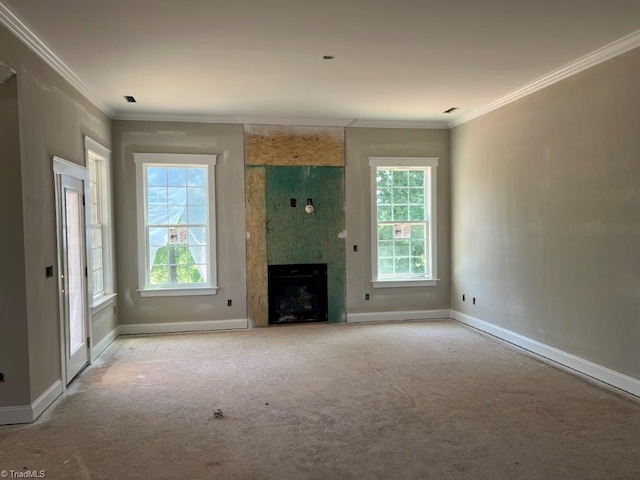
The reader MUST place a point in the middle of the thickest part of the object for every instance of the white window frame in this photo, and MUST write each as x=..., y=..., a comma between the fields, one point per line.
x=408, y=281
x=144, y=286
x=102, y=156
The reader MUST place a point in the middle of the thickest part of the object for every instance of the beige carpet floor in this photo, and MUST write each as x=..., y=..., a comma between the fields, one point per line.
x=422, y=400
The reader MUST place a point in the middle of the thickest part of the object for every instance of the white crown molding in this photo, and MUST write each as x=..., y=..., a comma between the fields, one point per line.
x=295, y=121
x=434, y=124
x=613, y=49
x=19, y=28
x=175, y=117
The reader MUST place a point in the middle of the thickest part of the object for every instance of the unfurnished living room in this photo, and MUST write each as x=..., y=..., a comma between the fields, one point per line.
x=320, y=240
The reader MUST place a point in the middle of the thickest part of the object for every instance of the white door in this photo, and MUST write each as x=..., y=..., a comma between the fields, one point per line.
x=73, y=273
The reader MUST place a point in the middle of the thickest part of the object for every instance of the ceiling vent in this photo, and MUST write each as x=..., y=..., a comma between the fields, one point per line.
x=130, y=99
x=450, y=110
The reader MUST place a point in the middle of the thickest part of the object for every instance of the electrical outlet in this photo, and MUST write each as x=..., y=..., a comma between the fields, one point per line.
x=48, y=271
x=366, y=296
x=229, y=302
x=1, y=377
x=355, y=248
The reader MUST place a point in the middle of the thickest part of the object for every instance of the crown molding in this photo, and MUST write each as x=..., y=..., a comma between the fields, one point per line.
x=175, y=117
x=613, y=49
x=295, y=121
x=19, y=28
x=399, y=124
x=292, y=121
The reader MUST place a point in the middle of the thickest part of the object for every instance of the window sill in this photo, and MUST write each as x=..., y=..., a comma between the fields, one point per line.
x=404, y=283
x=177, y=292
x=102, y=302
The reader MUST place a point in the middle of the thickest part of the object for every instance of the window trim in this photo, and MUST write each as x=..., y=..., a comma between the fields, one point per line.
x=103, y=154
x=144, y=288
x=374, y=163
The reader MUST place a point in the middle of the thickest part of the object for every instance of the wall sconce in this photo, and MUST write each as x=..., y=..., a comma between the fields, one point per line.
x=309, y=208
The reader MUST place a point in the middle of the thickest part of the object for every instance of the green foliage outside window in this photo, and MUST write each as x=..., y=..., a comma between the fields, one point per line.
x=402, y=226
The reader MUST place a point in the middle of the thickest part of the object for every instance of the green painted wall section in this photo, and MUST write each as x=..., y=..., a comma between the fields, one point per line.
x=294, y=236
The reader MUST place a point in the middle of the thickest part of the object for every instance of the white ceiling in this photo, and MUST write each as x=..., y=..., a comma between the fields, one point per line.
x=402, y=60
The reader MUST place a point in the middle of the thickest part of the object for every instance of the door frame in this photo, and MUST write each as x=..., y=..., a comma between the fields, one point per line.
x=79, y=172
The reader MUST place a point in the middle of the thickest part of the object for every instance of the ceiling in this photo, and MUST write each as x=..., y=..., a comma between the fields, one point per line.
x=402, y=61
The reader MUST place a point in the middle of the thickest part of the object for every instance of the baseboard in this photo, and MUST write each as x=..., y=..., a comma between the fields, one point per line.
x=46, y=399
x=581, y=365
x=178, y=327
x=102, y=345
x=392, y=316
x=29, y=413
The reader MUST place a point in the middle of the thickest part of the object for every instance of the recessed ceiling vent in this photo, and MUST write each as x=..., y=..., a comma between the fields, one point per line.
x=130, y=99
x=328, y=57
x=450, y=110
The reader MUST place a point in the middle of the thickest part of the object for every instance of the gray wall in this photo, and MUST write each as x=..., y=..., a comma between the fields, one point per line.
x=159, y=137
x=546, y=215
x=361, y=143
x=53, y=119
x=14, y=356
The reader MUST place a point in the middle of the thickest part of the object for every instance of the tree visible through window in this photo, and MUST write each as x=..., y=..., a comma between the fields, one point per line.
x=403, y=219
x=176, y=229
x=177, y=224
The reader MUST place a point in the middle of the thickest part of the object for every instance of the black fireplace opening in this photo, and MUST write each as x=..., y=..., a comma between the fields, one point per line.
x=297, y=293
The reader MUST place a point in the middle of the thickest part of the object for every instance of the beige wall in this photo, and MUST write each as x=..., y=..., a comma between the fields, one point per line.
x=361, y=143
x=53, y=119
x=546, y=215
x=14, y=356
x=159, y=137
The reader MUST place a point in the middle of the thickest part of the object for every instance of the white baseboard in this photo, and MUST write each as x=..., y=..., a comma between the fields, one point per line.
x=586, y=367
x=391, y=316
x=29, y=413
x=178, y=327
x=102, y=345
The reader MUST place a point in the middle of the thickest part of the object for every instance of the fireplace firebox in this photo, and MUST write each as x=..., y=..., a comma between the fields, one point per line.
x=297, y=293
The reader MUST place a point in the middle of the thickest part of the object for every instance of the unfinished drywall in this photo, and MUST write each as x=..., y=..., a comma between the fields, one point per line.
x=295, y=236
x=257, y=272
x=53, y=119
x=294, y=145
x=14, y=354
x=362, y=143
x=546, y=215
x=226, y=141
x=267, y=147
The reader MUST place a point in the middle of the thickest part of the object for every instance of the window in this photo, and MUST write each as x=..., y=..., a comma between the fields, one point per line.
x=99, y=224
x=403, y=221
x=176, y=224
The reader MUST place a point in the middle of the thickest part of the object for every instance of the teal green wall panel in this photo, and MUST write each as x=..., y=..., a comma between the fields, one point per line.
x=294, y=236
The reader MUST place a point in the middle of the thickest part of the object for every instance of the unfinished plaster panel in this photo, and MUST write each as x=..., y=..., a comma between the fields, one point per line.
x=53, y=119
x=14, y=358
x=131, y=137
x=257, y=302
x=295, y=236
x=291, y=145
x=363, y=143
x=546, y=215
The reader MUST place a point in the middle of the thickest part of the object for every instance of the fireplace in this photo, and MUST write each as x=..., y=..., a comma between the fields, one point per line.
x=297, y=293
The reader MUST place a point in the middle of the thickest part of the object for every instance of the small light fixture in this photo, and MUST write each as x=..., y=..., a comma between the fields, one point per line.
x=309, y=208
x=450, y=110
x=328, y=57
x=130, y=99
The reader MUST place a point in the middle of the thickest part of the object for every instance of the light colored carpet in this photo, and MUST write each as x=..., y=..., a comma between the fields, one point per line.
x=423, y=400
